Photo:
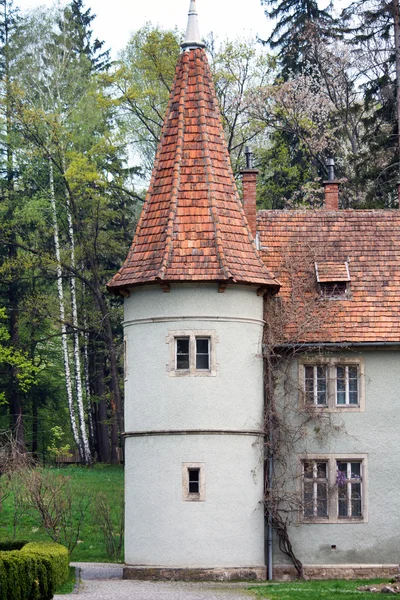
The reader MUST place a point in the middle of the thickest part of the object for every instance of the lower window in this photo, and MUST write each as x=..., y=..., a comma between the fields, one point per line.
x=193, y=482
x=333, y=488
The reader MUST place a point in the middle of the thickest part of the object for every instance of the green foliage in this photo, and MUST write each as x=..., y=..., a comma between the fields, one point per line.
x=291, y=32
x=25, y=369
x=105, y=480
x=56, y=449
x=56, y=554
x=34, y=572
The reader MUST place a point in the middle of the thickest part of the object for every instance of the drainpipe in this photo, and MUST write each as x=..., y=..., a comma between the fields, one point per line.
x=269, y=530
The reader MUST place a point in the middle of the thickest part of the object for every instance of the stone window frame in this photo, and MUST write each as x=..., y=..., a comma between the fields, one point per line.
x=331, y=363
x=333, y=497
x=192, y=334
x=186, y=495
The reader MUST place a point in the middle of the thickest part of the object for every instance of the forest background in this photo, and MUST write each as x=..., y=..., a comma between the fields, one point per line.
x=78, y=134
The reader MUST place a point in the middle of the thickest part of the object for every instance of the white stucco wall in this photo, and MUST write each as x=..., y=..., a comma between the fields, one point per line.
x=162, y=529
x=374, y=432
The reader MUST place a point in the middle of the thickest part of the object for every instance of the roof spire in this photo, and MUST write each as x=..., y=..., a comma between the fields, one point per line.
x=192, y=37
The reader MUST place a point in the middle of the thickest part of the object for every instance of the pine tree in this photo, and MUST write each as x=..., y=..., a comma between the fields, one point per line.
x=290, y=34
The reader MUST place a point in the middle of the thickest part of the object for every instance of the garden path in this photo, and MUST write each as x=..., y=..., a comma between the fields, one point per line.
x=102, y=581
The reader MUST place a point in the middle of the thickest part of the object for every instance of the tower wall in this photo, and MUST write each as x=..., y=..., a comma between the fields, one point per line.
x=209, y=419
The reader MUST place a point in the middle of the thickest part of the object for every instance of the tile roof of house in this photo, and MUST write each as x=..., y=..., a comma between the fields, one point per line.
x=369, y=240
x=192, y=226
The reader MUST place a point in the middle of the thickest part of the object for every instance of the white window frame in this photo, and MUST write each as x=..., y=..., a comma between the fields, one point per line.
x=190, y=496
x=333, y=488
x=192, y=335
x=332, y=362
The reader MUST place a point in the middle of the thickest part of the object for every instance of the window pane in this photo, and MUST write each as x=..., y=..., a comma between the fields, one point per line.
x=202, y=353
x=353, y=398
x=341, y=398
x=321, y=384
x=308, y=470
x=202, y=361
x=182, y=353
x=322, y=500
x=353, y=371
x=182, y=346
x=321, y=469
x=356, y=499
x=342, y=491
x=356, y=470
x=308, y=499
x=340, y=372
x=202, y=345
x=194, y=481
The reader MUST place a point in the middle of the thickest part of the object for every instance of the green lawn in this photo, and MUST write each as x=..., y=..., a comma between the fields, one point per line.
x=106, y=479
x=314, y=590
x=69, y=585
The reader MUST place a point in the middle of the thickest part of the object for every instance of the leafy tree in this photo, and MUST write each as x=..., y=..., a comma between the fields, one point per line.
x=290, y=35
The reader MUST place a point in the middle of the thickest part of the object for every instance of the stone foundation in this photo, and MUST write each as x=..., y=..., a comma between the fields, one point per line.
x=288, y=572
x=218, y=574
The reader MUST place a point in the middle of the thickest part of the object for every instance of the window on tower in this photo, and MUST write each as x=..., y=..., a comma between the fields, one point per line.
x=192, y=353
x=193, y=482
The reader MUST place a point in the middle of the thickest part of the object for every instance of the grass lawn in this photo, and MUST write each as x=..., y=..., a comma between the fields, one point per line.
x=69, y=585
x=315, y=590
x=107, y=479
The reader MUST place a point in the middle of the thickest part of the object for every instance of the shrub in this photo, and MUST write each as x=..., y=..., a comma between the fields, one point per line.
x=34, y=572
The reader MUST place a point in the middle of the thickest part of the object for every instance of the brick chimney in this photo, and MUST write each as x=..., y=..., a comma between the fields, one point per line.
x=249, y=181
x=331, y=187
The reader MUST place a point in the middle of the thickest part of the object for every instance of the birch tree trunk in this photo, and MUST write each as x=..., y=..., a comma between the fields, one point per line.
x=87, y=458
x=64, y=339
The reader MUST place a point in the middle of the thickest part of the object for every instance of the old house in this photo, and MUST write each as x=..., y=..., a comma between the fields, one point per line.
x=200, y=281
x=339, y=271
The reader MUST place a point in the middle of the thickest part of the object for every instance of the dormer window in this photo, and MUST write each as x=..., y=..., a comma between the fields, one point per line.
x=333, y=279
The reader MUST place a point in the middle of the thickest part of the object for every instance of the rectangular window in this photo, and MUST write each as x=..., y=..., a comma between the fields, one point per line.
x=349, y=484
x=315, y=381
x=315, y=489
x=333, y=488
x=334, y=383
x=347, y=384
x=192, y=353
x=202, y=353
x=193, y=482
x=182, y=354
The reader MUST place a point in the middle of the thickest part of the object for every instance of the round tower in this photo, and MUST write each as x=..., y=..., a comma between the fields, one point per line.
x=193, y=285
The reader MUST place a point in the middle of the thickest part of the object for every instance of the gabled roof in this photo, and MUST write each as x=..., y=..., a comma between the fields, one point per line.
x=192, y=226
x=369, y=240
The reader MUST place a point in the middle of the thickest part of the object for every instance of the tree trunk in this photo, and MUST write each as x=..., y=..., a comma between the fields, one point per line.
x=86, y=458
x=64, y=339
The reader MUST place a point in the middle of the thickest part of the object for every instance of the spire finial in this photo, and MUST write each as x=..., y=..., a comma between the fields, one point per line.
x=192, y=37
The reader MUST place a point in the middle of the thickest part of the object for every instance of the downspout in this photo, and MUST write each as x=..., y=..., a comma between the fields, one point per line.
x=269, y=529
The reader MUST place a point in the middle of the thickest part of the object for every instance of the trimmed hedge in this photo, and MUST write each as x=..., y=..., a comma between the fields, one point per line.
x=34, y=572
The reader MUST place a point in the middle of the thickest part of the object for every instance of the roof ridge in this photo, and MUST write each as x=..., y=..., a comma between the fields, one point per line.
x=209, y=170
x=176, y=172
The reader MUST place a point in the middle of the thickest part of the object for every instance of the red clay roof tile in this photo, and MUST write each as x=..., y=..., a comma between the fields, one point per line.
x=292, y=241
x=192, y=226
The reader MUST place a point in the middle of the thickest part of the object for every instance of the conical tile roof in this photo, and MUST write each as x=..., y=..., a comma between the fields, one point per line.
x=192, y=226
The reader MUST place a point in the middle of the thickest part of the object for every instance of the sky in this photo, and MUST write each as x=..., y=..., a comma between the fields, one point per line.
x=117, y=19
